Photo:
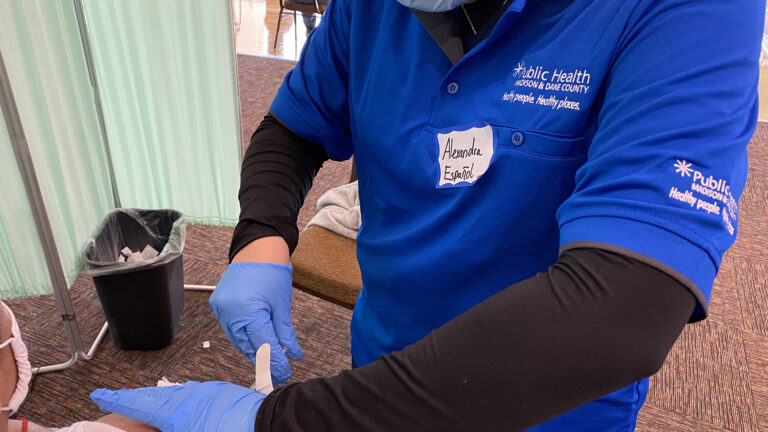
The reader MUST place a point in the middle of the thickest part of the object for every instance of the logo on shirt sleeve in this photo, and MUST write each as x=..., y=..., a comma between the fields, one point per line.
x=706, y=193
x=684, y=168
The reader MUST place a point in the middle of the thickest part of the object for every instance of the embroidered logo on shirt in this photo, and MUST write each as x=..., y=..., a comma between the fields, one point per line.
x=706, y=193
x=684, y=168
x=520, y=69
x=561, y=84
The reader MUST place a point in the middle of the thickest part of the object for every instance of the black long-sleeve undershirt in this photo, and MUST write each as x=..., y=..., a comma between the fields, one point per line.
x=595, y=322
x=278, y=169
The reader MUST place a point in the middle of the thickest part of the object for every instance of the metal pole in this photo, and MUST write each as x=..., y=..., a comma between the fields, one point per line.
x=57, y=367
x=85, y=40
x=240, y=147
x=96, y=343
x=35, y=197
x=199, y=287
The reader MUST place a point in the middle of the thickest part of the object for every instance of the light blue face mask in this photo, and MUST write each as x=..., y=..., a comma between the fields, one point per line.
x=433, y=5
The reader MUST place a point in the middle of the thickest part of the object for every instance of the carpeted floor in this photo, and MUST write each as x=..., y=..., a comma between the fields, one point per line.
x=715, y=379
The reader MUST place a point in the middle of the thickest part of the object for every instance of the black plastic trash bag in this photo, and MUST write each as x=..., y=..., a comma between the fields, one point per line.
x=164, y=230
x=141, y=300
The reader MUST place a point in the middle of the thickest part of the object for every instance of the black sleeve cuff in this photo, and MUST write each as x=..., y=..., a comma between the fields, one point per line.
x=247, y=231
x=267, y=409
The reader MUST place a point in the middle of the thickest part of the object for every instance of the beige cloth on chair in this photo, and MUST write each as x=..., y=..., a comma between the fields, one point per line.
x=339, y=211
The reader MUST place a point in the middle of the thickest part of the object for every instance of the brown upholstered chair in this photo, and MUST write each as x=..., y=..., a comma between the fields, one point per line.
x=292, y=7
x=325, y=265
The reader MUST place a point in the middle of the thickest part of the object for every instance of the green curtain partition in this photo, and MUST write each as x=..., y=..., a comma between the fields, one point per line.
x=43, y=54
x=22, y=265
x=166, y=70
x=167, y=76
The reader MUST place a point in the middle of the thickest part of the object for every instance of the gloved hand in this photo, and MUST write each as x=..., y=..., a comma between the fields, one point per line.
x=194, y=406
x=253, y=304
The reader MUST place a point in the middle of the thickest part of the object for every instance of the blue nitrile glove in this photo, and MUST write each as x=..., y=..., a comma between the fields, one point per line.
x=253, y=304
x=194, y=406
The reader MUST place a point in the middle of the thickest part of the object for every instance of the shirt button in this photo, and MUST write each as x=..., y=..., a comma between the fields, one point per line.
x=453, y=88
x=518, y=138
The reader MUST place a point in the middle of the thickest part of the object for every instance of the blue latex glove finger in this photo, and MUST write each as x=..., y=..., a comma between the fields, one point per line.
x=139, y=404
x=194, y=406
x=281, y=318
x=261, y=331
x=253, y=304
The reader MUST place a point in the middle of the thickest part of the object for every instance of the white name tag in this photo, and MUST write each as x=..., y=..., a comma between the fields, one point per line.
x=464, y=156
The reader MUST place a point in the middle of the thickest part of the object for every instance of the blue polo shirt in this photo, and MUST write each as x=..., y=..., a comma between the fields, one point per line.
x=611, y=124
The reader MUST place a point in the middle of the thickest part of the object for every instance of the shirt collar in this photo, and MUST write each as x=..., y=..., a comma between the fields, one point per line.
x=444, y=29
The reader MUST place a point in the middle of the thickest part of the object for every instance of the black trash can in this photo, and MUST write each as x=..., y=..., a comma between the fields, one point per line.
x=142, y=300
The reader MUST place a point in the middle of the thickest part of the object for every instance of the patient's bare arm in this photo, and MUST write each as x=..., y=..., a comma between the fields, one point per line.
x=126, y=424
x=123, y=423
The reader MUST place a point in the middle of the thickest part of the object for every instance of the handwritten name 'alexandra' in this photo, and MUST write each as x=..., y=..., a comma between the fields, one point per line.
x=460, y=153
